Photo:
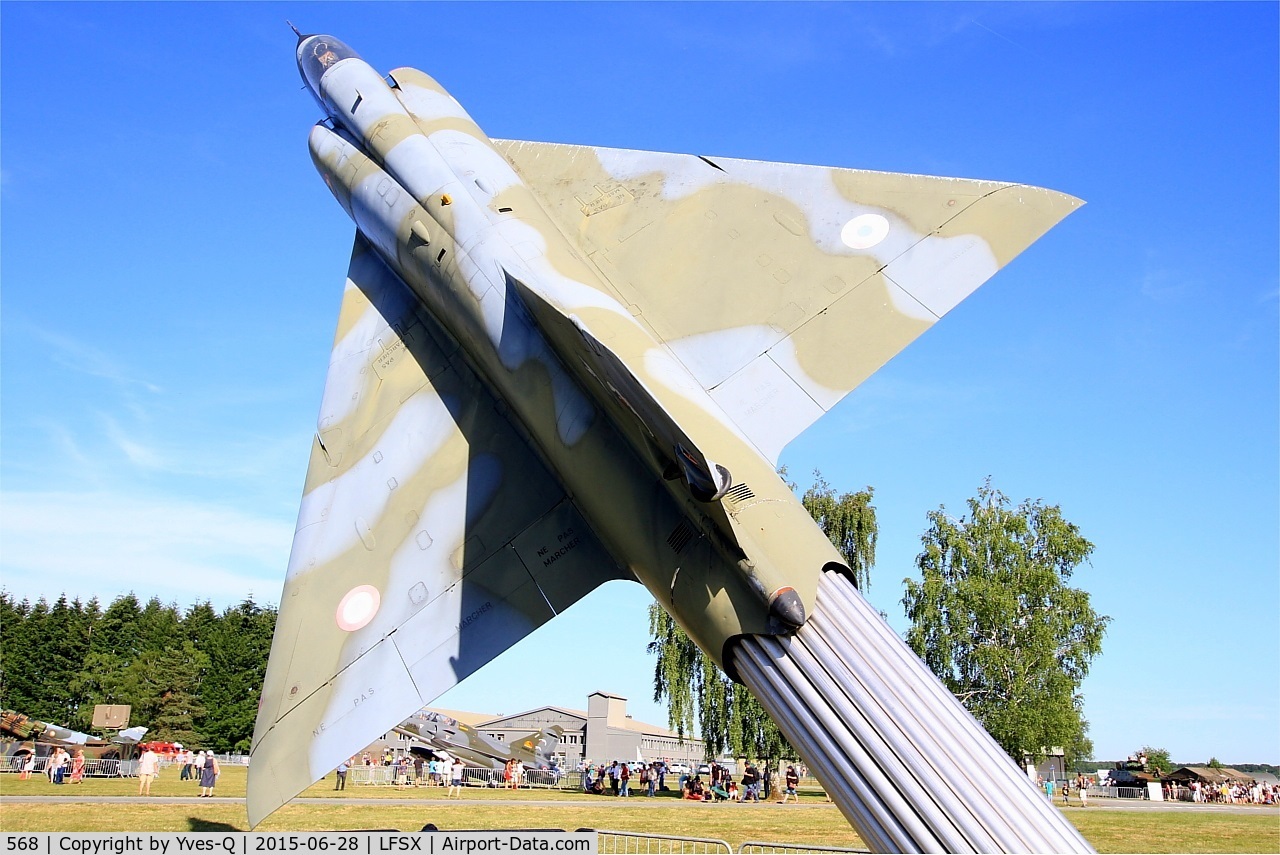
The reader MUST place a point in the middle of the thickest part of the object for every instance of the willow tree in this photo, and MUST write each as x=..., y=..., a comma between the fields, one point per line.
x=992, y=616
x=849, y=521
x=728, y=717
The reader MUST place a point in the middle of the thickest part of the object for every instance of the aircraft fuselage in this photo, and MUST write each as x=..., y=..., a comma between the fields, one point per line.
x=643, y=450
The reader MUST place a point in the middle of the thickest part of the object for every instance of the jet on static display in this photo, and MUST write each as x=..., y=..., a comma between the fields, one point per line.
x=444, y=734
x=557, y=365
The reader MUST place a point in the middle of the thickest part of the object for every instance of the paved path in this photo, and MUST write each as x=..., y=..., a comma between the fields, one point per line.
x=1094, y=804
x=375, y=800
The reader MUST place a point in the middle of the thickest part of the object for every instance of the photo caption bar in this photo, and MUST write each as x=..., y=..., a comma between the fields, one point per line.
x=262, y=843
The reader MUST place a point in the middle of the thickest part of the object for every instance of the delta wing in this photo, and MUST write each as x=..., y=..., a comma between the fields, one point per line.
x=781, y=287
x=430, y=539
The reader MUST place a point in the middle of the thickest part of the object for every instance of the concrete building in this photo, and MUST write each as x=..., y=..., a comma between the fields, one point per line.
x=601, y=733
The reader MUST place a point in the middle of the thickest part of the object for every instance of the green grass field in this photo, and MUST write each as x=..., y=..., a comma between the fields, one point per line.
x=814, y=822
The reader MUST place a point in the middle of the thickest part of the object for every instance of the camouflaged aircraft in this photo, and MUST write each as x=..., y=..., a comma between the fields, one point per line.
x=22, y=736
x=558, y=365
x=440, y=733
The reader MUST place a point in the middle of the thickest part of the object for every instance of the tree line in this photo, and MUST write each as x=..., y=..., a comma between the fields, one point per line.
x=992, y=615
x=192, y=677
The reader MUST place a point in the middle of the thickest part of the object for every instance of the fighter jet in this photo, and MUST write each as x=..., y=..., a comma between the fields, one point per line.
x=557, y=365
x=442, y=733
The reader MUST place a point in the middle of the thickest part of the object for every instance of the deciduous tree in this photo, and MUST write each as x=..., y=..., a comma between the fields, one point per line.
x=992, y=615
x=1158, y=759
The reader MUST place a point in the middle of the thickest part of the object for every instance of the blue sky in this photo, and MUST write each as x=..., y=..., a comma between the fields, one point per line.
x=172, y=267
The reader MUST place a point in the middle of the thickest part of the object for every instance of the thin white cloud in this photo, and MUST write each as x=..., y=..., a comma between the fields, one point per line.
x=87, y=359
x=137, y=453
x=107, y=543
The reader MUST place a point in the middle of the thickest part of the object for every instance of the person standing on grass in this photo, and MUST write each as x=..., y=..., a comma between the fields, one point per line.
x=751, y=784
x=77, y=766
x=455, y=778
x=342, y=776
x=148, y=768
x=790, y=784
x=209, y=776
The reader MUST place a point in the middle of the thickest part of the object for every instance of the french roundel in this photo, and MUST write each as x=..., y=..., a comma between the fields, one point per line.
x=358, y=607
x=864, y=231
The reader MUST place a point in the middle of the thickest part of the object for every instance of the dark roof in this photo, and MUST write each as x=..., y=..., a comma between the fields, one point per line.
x=1208, y=773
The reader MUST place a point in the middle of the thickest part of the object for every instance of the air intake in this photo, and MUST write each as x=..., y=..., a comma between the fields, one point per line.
x=680, y=538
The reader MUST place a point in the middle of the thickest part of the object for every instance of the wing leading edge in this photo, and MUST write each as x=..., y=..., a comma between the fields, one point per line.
x=781, y=287
x=414, y=561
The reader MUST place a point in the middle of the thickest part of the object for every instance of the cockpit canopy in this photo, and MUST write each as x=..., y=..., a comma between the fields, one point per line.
x=317, y=54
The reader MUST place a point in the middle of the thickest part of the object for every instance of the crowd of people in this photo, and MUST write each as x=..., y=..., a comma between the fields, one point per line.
x=414, y=770
x=1226, y=793
x=60, y=768
x=199, y=766
x=755, y=785
x=616, y=777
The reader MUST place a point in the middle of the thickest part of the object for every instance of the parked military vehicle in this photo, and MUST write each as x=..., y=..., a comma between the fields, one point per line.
x=22, y=736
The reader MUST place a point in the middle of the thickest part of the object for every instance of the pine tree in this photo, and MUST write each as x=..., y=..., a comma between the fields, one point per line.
x=24, y=676
x=238, y=646
x=165, y=686
x=117, y=632
x=15, y=654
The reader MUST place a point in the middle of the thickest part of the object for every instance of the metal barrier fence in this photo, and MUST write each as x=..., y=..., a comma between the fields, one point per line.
x=96, y=768
x=472, y=776
x=370, y=776
x=233, y=759
x=635, y=843
x=1117, y=792
x=92, y=768
x=757, y=847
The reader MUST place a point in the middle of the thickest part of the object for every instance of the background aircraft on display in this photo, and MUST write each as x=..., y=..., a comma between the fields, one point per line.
x=21, y=736
x=441, y=733
x=559, y=365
